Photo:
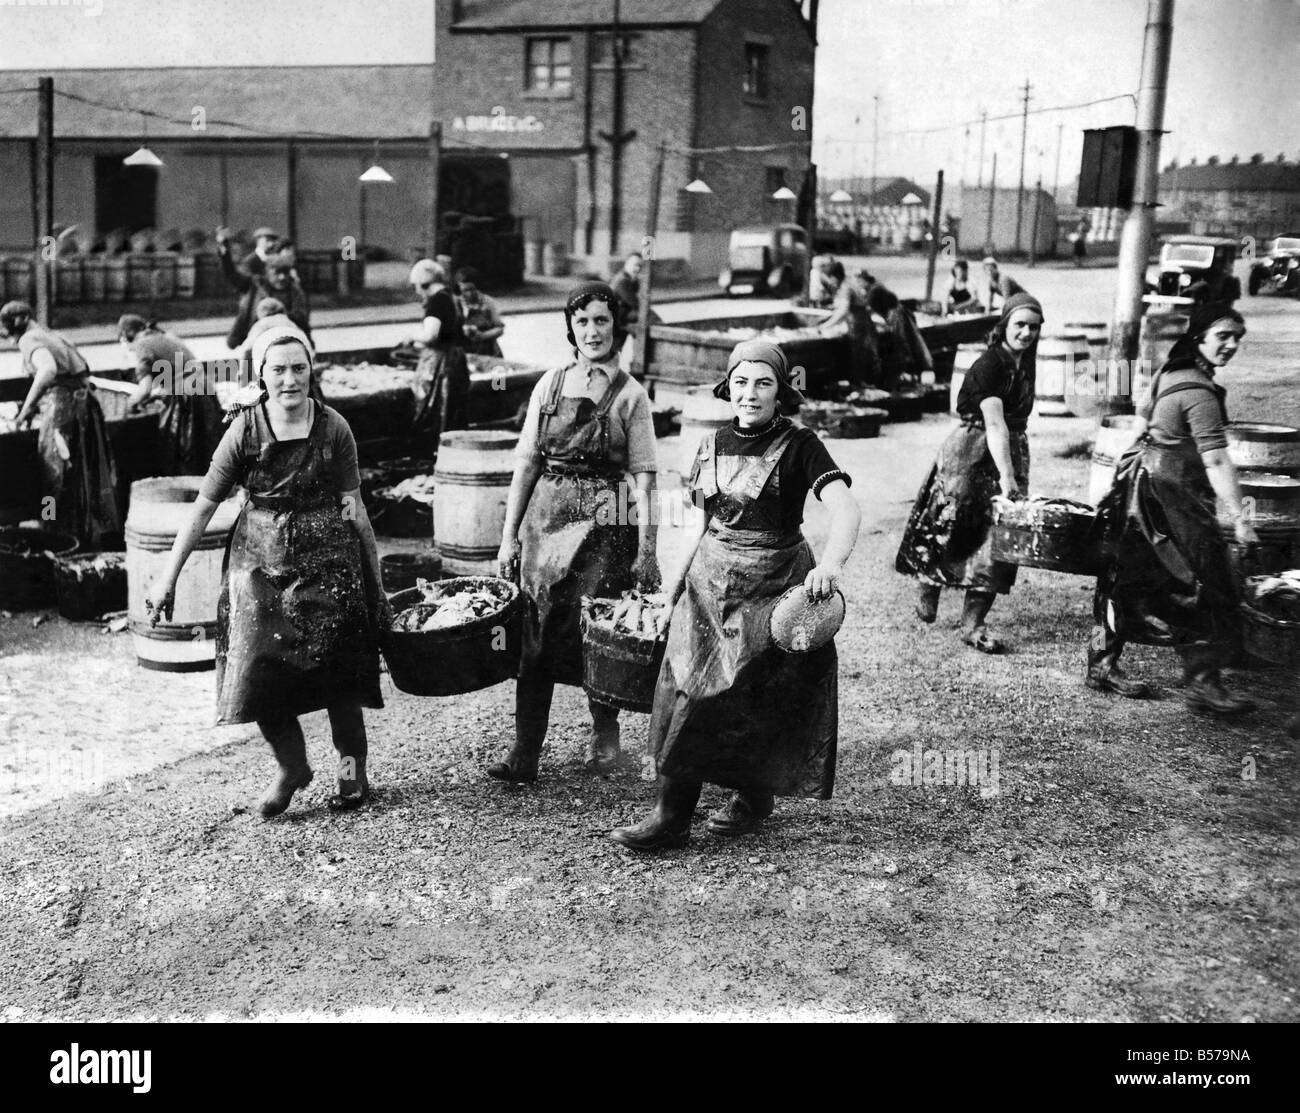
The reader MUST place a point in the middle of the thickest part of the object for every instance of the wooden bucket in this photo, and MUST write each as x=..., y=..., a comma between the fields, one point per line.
x=20, y=477
x=1114, y=435
x=90, y=585
x=161, y=507
x=400, y=571
x=1271, y=504
x=619, y=668
x=1257, y=447
x=472, y=480
x=1270, y=639
x=1038, y=534
x=1059, y=357
x=27, y=566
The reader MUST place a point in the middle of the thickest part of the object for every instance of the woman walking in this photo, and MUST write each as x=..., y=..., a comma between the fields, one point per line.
x=946, y=543
x=1168, y=580
x=301, y=605
x=77, y=469
x=731, y=707
x=587, y=430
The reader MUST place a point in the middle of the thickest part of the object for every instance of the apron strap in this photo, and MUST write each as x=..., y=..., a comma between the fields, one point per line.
x=551, y=403
x=754, y=478
x=706, y=456
x=611, y=393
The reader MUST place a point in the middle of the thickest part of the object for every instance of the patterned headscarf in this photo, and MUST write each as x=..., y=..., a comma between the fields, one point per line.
x=600, y=291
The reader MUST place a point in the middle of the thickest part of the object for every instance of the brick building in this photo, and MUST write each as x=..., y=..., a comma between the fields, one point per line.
x=522, y=92
x=1254, y=198
x=535, y=82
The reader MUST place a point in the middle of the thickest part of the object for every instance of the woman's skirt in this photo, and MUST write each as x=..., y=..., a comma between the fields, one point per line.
x=1167, y=579
x=441, y=389
x=294, y=631
x=731, y=708
x=947, y=542
x=190, y=429
x=77, y=466
x=572, y=545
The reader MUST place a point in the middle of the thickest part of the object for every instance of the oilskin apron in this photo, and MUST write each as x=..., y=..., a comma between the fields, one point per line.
x=1168, y=580
x=572, y=542
x=294, y=631
x=730, y=707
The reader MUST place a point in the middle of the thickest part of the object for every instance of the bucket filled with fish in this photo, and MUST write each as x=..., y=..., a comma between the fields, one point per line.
x=1056, y=534
x=1270, y=628
x=405, y=509
x=90, y=585
x=454, y=636
x=623, y=643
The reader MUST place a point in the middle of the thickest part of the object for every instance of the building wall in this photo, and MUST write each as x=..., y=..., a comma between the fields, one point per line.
x=975, y=232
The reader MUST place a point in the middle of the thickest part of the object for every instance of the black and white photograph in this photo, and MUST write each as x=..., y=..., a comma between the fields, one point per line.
x=657, y=511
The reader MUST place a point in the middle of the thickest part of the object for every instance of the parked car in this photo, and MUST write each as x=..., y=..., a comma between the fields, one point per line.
x=1278, y=272
x=766, y=259
x=1195, y=269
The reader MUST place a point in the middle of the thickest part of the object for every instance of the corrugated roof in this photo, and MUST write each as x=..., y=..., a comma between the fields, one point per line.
x=1242, y=175
x=500, y=15
x=381, y=102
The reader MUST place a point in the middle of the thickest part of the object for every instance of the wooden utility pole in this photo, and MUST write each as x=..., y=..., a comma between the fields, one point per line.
x=435, y=171
x=1056, y=178
x=875, y=143
x=993, y=189
x=616, y=137
x=1020, y=189
x=934, y=236
x=984, y=123
x=1135, y=240
x=291, y=190
x=1033, y=234
x=641, y=343
x=43, y=256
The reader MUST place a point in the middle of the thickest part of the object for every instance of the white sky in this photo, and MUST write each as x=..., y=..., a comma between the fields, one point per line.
x=1234, y=81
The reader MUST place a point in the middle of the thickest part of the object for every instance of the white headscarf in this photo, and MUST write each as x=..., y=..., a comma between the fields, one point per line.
x=263, y=341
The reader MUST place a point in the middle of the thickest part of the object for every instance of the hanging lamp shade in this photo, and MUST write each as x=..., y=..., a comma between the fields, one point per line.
x=376, y=173
x=785, y=193
x=698, y=186
x=142, y=156
x=841, y=197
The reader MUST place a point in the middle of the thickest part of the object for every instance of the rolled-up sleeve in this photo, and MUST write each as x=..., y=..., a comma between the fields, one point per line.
x=641, y=455
x=1204, y=418
x=227, y=464
x=527, y=450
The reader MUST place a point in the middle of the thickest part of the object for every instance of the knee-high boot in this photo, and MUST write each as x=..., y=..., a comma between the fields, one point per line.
x=532, y=714
x=290, y=749
x=974, y=612
x=669, y=823
x=602, y=747
x=348, y=728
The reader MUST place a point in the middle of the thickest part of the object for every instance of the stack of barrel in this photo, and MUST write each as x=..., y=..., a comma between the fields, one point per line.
x=1268, y=462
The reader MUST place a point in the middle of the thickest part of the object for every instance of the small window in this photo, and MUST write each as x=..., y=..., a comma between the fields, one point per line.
x=601, y=54
x=548, y=66
x=756, y=70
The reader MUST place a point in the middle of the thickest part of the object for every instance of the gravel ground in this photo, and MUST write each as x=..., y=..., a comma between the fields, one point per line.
x=1132, y=861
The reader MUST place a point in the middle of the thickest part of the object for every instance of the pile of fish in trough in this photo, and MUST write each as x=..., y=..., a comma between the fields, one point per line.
x=441, y=609
x=638, y=614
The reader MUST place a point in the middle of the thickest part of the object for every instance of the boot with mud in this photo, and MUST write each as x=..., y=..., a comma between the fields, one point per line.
x=1206, y=694
x=603, y=752
x=668, y=826
x=349, y=732
x=973, y=631
x=532, y=715
x=1104, y=673
x=743, y=814
x=927, y=603
x=290, y=749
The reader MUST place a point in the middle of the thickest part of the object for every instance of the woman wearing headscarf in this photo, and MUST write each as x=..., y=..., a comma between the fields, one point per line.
x=442, y=374
x=77, y=469
x=482, y=322
x=852, y=311
x=731, y=707
x=189, y=423
x=1168, y=580
x=276, y=280
x=301, y=606
x=588, y=429
x=946, y=543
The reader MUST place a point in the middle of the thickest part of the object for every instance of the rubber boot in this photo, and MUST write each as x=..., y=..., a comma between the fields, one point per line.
x=743, y=814
x=349, y=732
x=668, y=826
x=602, y=747
x=974, y=611
x=927, y=603
x=1104, y=673
x=290, y=749
x=532, y=714
x=1204, y=690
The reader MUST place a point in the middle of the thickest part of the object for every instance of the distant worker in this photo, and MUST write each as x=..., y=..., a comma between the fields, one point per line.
x=481, y=320
x=996, y=287
x=276, y=280
x=441, y=384
x=1079, y=241
x=266, y=243
x=959, y=296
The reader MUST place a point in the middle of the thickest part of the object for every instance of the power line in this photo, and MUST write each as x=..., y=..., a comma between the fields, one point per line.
x=1014, y=115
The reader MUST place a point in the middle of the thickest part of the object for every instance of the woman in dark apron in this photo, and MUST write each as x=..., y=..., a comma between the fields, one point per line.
x=731, y=707
x=189, y=424
x=77, y=467
x=574, y=526
x=1168, y=580
x=301, y=605
x=946, y=542
x=441, y=385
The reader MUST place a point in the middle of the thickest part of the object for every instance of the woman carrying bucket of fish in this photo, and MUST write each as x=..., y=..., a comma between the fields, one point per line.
x=301, y=606
x=588, y=429
x=735, y=704
x=947, y=542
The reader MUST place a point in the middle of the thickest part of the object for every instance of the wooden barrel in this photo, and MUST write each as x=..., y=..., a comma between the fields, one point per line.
x=139, y=276
x=1060, y=357
x=20, y=477
x=67, y=281
x=619, y=668
x=115, y=278
x=94, y=276
x=159, y=508
x=1258, y=447
x=965, y=358
x=186, y=276
x=19, y=278
x=1114, y=435
x=1097, y=333
x=532, y=256
x=554, y=261
x=472, y=480
x=1271, y=504
x=1159, y=331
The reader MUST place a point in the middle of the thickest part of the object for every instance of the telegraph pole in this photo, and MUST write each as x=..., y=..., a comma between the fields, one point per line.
x=616, y=137
x=44, y=167
x=1135, y=240
x=984, y=123
x=1056, y=178
x=875, y=142
x=1020, y=189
